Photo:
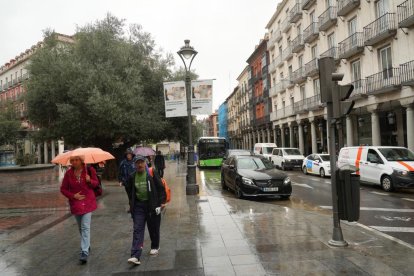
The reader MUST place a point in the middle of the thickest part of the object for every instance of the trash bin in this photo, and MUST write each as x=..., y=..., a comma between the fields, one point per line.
x=348, y=195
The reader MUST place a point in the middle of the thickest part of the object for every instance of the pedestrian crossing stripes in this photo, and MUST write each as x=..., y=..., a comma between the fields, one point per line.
x=394, y=229
x=378, y=209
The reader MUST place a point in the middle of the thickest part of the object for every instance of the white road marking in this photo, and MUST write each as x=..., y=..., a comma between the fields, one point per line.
x=409, y=199
x=302, y=185
x=379, y=193
x=394, y=229
x=378, y=209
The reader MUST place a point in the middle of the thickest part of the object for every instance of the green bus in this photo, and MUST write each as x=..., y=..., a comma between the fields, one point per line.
x=211, y=151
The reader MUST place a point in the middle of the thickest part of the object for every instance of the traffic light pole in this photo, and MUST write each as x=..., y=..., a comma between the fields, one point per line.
x=337, y=236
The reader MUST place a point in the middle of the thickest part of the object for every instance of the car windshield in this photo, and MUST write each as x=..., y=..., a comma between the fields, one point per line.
x=292, y=152
x=254, y=163
x=268, y=150
x=397, y=154
x=325, y=157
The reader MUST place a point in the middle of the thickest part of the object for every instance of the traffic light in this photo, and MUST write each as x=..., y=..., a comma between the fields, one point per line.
x=341, y=105
x=326, y=68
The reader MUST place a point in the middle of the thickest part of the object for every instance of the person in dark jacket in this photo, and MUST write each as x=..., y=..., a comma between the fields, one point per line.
x=160, y=163
x=78, y=186
x=126, y=167
x=146, y=195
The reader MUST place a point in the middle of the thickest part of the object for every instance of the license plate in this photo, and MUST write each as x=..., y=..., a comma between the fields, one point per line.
x=273, y=189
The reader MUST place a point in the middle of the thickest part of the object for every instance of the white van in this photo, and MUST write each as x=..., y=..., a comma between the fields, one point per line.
x=390, y=167
x=264, y=149
x=287, y=158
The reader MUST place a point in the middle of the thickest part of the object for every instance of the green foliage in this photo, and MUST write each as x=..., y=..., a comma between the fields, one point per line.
x=105, y=87
x=9, y=125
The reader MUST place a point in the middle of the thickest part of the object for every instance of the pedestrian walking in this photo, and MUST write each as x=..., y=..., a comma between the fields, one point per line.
x=78, y=186
x=146, y=197
x=126, y=167
x=159, y=163
x=177, y=155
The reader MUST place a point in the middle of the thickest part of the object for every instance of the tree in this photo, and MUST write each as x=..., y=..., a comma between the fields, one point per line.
x=9, y=125
x=105, y=87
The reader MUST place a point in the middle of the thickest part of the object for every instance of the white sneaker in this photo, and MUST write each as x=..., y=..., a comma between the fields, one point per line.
x=154, y=251
x=134, y=261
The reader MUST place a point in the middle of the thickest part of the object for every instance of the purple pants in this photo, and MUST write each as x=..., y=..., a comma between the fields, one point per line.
x=141, y=215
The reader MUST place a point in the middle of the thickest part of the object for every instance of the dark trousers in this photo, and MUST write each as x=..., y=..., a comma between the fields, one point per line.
x=141, y=215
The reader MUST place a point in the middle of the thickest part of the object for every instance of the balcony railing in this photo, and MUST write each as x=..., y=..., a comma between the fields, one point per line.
x=382, y=28
x=282, y=85
x=328, y=18
x=332, y=52
x=311, y=32
x=407, y=73
x=307, y=4
x=298, y=76
x=272, y=91
x=406, y=14
x=279, y=60
x=296, y=12
x=285, y=26
x=25, y=76
x=311, y=68
x=385, y=81
x=308, y=104
x=351, y=46
x=346, y=6
x=14, y=82
x=287, y=53
x=360, y=88
x=297, y=44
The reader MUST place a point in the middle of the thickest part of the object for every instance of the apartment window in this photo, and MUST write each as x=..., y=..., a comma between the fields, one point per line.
x=288, y=41
x=382, y=7
x=352, y=26
x=356, y=73
x=386, y=62
x=316, y=87
x=331, y=40
x=21, y=72
x=300, y=61
x=314, y=51
x=302, y=92
x=330, y=3
x=299, y=29
x=16, y=75
x=280, y=50
x=290, y=71
x=312, y=17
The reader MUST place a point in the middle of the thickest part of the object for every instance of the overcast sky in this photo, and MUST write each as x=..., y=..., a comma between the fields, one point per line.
x=224, y=32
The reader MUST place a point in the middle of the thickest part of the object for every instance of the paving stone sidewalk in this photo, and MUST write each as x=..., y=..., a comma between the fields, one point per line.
x=208, y=235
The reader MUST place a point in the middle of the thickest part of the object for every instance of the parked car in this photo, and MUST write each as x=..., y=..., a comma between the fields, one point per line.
x=317, y=164
x=287, y=158
x=390, y=167
x=264, y=149
x=231, y=152
x=254, y=176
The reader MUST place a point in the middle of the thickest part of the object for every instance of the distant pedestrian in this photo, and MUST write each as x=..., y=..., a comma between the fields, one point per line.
x=126, y=167
x=78, y=186
x=146, y=196
x=177, y=156
x=159, y=162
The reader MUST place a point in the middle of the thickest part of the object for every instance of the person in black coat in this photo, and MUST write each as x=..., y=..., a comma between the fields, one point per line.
x=159, y=163
x=146, y=196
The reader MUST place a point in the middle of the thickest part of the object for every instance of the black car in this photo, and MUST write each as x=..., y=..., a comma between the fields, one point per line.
x=236, y=152
x=254, y=176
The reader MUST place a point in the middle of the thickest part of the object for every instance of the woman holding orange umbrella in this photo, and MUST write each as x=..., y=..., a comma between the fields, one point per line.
x=78, y=186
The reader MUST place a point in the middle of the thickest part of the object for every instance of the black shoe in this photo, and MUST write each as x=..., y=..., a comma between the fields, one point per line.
x=83, y=258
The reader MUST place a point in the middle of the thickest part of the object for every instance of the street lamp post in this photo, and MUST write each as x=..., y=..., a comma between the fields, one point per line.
x=187, y=54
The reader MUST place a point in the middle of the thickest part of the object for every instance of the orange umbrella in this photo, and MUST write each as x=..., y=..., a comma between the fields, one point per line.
x=92, y=155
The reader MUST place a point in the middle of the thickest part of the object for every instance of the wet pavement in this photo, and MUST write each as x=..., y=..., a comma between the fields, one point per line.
x=209, y=234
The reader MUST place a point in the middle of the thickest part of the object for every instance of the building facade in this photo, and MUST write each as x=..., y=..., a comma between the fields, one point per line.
x=244, y=110
x=371, y=42
x=13, y=75
x=222, y=120
x=260, y=103
x=213, y=125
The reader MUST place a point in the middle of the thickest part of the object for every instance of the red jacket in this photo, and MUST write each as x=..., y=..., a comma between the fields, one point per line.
x=70, y=186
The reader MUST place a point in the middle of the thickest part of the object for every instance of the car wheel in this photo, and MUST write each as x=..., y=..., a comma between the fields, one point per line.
x=386, y=183
x=283, y=167
x=223, y=183
x=322, y=172
x=238, y=192
x=304, y=170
